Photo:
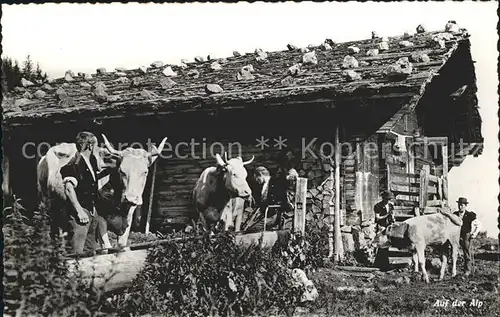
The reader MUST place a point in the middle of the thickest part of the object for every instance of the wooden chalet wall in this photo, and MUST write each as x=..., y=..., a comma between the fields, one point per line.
x=176, y=178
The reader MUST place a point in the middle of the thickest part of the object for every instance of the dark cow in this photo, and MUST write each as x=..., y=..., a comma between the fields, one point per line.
x=220, y=192
x=128, y=179
x=439, y=229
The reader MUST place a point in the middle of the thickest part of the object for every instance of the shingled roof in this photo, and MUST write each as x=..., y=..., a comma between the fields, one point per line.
x=291, y=74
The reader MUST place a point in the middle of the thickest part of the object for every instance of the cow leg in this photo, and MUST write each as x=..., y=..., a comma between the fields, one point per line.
x=123, y=239
x=454, y=256
x=238, y=214
x=415, y=261
x=444, y=262
x=227, y=215
x=102, y=233
x=421, y=260
x=237, y=222
x=203, y=221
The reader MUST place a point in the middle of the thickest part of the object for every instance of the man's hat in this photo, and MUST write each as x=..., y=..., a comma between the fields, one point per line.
x=387, y=194
x=462, y=200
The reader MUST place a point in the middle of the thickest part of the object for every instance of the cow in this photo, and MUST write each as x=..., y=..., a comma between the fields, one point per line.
x=438, y=229
x=220, y=192
x=127, y=179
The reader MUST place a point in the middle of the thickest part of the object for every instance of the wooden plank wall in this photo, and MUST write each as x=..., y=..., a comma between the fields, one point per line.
x=360, y=178
x=176, y=178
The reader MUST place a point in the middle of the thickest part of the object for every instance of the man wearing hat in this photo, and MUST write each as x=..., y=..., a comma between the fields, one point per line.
x=384, y=211
x=470, y=229
x=268, y=190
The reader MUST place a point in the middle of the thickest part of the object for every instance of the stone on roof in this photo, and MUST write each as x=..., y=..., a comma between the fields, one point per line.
x=452, y=26
x=215, y=66
x=294, y=70
x=288, y=81
x=157, y=64
x=213, y=89
x=40, y=94
x=167, y=83
x=405, y=44
x=148, y=94
x=168, y=71
x=350, y=62
x=194, y=73
x=351, y=75
x=26, y=83
x=353, y=49
x=310, y=58
x=399, y=70
x=421, y=29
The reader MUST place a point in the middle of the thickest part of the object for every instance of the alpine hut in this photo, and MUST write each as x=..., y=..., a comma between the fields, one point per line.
x=400, y=112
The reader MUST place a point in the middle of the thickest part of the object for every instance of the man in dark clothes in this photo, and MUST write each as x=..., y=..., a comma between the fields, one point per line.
x=384, y=211
x=268, y=191
x=80, y=185
x=470, y=229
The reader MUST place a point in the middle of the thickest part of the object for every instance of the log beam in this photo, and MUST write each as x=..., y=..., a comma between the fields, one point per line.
x=115, y=271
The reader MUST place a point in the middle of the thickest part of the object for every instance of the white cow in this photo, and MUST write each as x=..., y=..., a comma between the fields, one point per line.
x=131, y=169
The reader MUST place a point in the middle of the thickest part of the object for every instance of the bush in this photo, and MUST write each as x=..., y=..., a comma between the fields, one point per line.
x=307, y=252
x=36, y=276
x=194, y=277
x=211, y=277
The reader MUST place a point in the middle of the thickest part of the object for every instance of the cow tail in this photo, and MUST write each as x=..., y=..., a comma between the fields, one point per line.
x=42, y=179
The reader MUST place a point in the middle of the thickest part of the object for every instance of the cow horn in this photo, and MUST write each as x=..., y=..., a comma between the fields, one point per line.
x=219, y=160
x=225, y=157
x=157, y=150
x=110, y=147
x=249, y=161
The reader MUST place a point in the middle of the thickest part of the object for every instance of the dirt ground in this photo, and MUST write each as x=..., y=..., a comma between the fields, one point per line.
x=401, y=292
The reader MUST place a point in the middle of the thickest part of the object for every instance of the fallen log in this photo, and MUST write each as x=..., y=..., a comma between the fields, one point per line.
x=117, y=269
x=358, y=268
x=354, y=289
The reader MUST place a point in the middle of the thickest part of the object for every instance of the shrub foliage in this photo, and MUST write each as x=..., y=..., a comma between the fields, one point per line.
x=37, y=280
x=211, y=276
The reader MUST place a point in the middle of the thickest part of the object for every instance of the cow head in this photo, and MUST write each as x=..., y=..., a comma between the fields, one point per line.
x=133, y=165
x=381, y=240
x=235, y=175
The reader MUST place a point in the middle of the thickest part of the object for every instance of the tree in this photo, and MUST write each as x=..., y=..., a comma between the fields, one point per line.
x=12, y=73
x=27, y=68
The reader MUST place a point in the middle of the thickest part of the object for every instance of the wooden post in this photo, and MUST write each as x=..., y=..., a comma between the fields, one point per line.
x=359, y=201
x=445, y=172
x=424, y=186
x=331, y=211
x=6, y=189
x=388, y=170
x=151, y=195
x=299, y=219
x=417, y=211
x=339, y=250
